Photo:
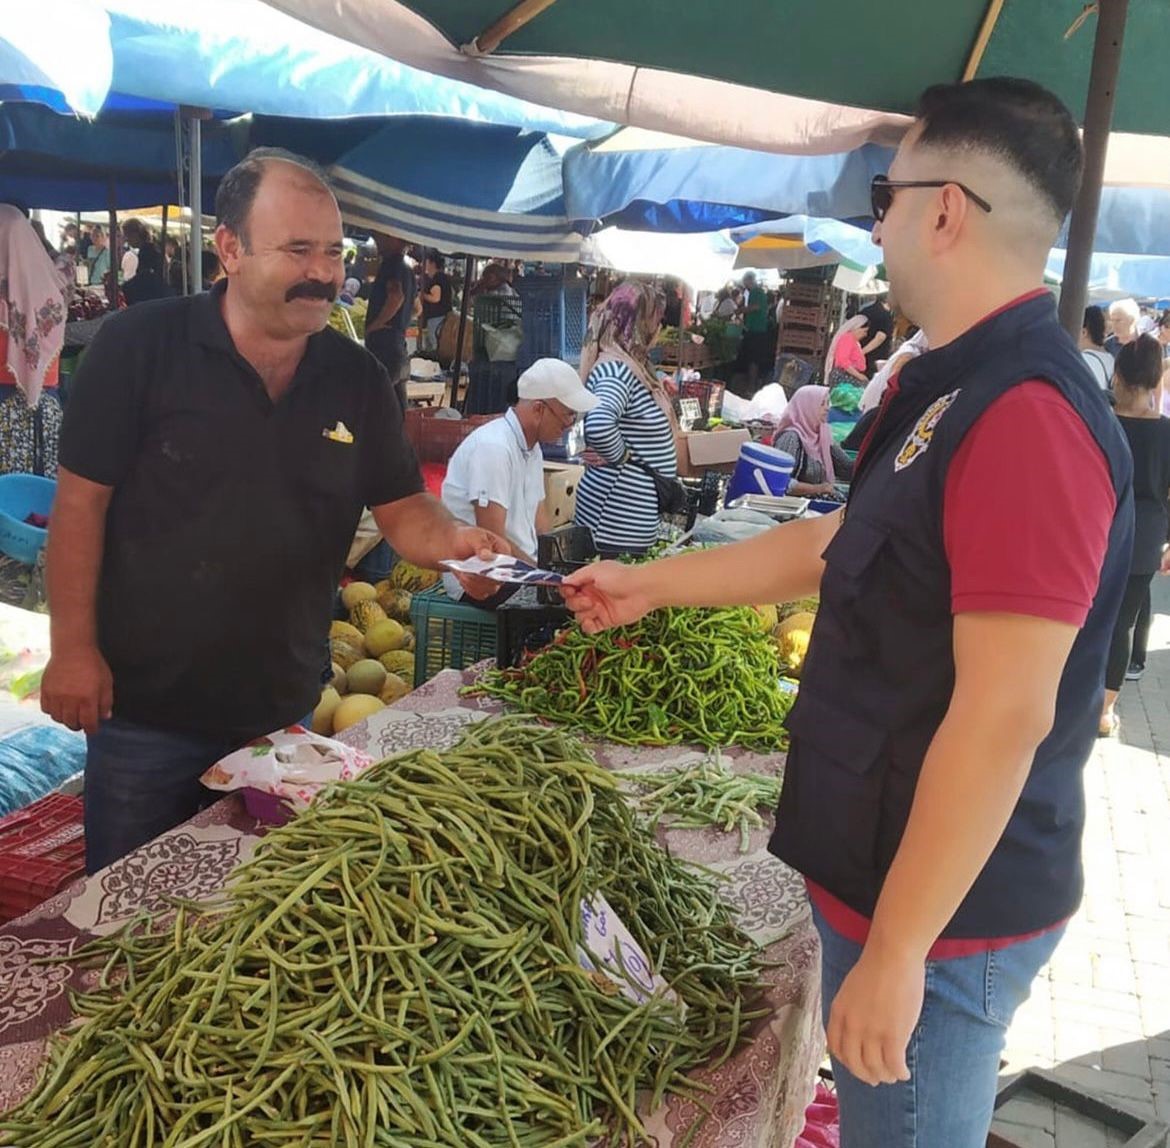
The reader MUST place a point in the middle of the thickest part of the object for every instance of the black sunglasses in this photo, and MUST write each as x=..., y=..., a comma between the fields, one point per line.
x=881, y=192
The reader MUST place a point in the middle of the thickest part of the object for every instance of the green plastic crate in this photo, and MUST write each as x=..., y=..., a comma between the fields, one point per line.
x=447, y=634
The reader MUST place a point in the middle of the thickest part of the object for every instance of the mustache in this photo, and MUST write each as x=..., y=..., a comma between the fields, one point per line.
x=311, y=289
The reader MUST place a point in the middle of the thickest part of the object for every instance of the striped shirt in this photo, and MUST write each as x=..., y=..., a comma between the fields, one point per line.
x=616, y=502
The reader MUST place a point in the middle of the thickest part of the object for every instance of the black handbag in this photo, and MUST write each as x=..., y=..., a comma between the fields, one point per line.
x=674, y=499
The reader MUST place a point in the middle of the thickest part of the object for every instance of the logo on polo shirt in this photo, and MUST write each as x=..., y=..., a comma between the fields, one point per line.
x=340, y=433
x=918, y=440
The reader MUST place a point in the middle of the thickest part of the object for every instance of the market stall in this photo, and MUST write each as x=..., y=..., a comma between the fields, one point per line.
x=757, y=1097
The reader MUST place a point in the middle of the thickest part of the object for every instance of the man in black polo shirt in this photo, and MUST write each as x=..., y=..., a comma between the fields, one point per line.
x=216, y=456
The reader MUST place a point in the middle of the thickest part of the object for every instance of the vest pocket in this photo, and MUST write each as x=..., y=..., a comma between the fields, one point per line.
x=837, y=782
x=854, y=547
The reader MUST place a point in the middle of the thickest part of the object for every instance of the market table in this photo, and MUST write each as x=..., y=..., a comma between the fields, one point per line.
x=759, y=1095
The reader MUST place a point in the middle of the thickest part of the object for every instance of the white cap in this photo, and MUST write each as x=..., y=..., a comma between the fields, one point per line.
x=555, y=379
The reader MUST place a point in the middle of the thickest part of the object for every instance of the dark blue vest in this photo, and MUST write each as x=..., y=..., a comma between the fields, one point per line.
x=880, y=669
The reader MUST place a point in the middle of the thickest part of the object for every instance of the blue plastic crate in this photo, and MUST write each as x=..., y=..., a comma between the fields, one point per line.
x=555, y=319
x=491, y=387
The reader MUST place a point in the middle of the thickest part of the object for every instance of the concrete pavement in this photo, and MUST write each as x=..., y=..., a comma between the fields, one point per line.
x=1099, y=1015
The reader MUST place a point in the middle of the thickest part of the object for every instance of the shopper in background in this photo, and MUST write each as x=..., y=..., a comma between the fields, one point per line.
x=803, y=433
x=1124, y=316
x=1138, y=374
x=98, y=262
x=756, y=351
x=143, y=272
x=388, y=314
x=435, y=299
x=33, y=302
x=496, y=476
x=880, y=333
x=633, y=426
x=1092, y=346
x=845, y=360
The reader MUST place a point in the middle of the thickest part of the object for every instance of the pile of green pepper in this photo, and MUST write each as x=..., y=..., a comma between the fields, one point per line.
x=702, y=676
x=399, y=966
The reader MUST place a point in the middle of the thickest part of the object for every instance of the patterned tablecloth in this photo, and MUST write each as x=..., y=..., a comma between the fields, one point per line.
x=759, y=1095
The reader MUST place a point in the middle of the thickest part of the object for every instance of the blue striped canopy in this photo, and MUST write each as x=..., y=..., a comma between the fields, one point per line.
x=478, y=189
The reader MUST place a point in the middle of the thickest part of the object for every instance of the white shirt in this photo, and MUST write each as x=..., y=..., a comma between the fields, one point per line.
x=876, y=388
x=495, y=464
x=129, y=264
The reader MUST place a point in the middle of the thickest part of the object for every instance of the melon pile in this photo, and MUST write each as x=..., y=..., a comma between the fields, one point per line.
x=372, y=653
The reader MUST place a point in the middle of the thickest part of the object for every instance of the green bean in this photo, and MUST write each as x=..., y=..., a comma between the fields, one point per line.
x=399, y=965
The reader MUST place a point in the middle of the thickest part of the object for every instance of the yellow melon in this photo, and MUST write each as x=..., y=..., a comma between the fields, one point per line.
x=353, y=709
x=324, y=710
x=357, y=592
x=365, y=614
x=393, y=689
x=346, y=632
x=344, y=653
x=366, y=677
x=384, y=636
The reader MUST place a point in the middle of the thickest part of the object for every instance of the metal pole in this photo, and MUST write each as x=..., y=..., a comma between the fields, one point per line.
x=464, y=305
x=195, y=159
x=115, y=238
x=1111, y=16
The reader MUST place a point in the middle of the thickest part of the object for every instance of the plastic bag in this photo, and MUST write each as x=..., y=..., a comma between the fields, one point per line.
x=291, y=764
x=502, y=343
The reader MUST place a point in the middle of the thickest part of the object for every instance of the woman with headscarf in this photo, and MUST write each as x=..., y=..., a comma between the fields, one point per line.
x=632, y=428
x=803, y=432
x=33, y=297
x=845, y=360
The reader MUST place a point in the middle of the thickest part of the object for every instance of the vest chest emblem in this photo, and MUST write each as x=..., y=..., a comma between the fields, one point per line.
x=918, y=440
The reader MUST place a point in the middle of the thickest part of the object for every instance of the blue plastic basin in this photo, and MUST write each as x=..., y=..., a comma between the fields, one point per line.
x=20, y=496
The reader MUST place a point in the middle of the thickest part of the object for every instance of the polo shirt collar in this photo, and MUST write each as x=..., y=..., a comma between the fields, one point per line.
x=209, y=329
x=514, y=423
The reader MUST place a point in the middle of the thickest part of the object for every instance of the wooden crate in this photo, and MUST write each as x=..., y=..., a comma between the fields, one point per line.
x=800, y=315
x=802, y=340
x=810, y=293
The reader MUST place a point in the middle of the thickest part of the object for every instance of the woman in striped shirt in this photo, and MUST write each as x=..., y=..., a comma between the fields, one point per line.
x=632, y=427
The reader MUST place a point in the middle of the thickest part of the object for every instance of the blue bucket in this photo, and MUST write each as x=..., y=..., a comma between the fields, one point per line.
x=20, y=496
x=760, y=466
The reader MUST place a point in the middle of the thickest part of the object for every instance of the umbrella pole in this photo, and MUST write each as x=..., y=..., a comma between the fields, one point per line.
x=195, y=168
x=1111, y=16
x=115, y=245
x=464, y=305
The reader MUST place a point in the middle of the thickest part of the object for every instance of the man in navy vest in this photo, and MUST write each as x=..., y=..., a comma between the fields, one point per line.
x=933, y=796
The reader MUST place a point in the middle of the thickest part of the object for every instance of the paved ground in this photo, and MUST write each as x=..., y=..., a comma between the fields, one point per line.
x=1099, y=1015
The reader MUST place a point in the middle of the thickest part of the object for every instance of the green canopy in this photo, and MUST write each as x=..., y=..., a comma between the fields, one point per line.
x=870, y=55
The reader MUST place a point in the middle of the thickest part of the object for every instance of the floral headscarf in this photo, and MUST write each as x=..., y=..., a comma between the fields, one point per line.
x=624, y=327
x=32, y=303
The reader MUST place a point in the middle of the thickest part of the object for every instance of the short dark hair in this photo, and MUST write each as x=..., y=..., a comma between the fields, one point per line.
x=1094, y=324
x=136, y=232
x=1014, y=120
x=1140, y=363
x=237, y=190
x=1164, y=319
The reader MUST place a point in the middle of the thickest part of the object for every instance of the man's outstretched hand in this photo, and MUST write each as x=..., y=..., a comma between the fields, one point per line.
x=607, y=594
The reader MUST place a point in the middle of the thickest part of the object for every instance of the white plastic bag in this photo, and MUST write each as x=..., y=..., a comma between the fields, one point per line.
x=292, y=764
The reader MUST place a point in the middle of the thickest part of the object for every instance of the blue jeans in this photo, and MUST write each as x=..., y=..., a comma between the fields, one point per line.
x=953, y=1054
x=140, y=782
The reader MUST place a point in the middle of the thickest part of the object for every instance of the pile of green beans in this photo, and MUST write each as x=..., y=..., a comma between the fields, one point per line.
x=706, y=794
x=399, y=966
x=703, y=676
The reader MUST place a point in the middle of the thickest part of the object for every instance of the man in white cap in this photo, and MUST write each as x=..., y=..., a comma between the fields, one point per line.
x=496, y=475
